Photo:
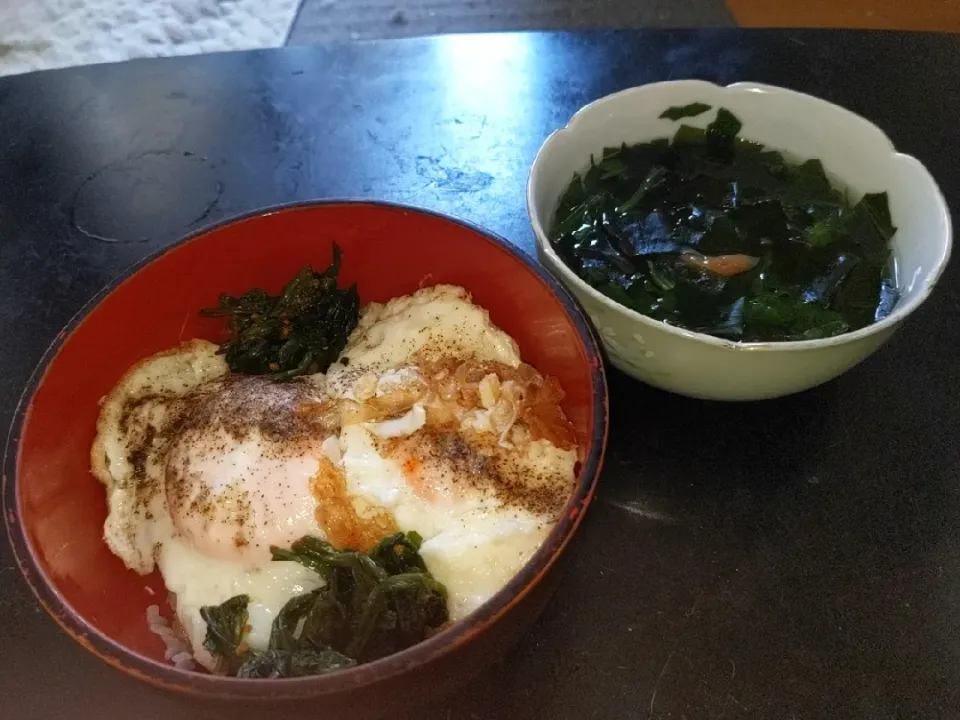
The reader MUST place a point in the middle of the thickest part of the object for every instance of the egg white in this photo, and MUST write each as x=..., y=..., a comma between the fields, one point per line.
x=137, y=519
x=437, y=322
x=197, y=580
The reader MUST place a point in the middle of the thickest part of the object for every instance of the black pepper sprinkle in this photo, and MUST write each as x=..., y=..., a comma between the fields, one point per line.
x=240, y=404
x=477, y=462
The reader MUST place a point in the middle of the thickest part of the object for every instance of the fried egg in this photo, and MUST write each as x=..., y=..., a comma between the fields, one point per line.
x=433, y=324
x=125, y=455
x=483, y=510
x=204, y=472
x=428, y=422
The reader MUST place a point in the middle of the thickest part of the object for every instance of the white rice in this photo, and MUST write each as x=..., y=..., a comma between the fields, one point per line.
x=178, y=651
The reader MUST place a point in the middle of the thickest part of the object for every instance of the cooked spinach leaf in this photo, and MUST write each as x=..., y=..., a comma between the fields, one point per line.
x=370, y=606
x=399, y=553
x=293, y=663
x=678, y=112
x=717, y=234
x=311, y=552
x=400, y=611
x=226, y=629
x=373, y=604
x=287, y=629
x=300, y=331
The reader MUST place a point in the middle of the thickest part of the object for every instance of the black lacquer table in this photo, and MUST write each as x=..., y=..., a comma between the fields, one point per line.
x=792, y=559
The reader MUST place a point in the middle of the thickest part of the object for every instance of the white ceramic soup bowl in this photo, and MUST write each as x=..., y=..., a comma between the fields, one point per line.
x=854, y=152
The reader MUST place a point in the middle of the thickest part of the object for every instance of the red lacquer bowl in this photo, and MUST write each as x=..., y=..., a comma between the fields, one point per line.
x=54, y=509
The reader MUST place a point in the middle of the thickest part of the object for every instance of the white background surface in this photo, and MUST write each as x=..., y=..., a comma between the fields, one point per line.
x=44, y=34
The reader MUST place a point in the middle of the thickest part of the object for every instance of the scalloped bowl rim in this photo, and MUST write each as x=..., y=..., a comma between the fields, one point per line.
x=461, y=632
x=900, y=311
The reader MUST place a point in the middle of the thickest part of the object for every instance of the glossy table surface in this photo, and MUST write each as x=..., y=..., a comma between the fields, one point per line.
x=796, y=559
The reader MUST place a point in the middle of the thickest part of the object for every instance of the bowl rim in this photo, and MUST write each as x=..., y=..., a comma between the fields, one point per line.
x=888, y=323
x=458, y=634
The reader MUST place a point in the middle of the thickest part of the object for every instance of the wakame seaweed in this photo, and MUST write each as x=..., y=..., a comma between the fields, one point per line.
x=723, y=236
x=300, y=331
x=371, y=605
x=678, y=112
